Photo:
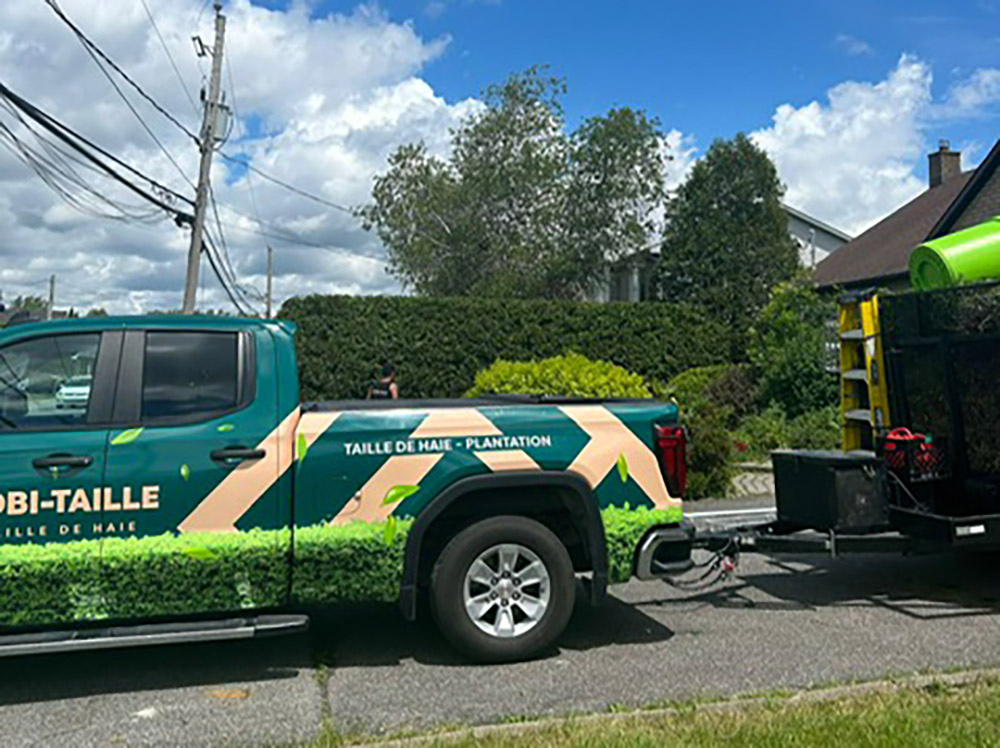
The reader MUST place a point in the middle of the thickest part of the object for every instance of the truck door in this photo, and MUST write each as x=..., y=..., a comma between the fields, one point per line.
x=197, y=416
x=55, y=401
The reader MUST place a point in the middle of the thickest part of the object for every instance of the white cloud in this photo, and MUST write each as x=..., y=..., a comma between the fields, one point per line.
x=683, y=153
x=852, y=159
x=853, y=46
x=980, y=89
x=323, y=102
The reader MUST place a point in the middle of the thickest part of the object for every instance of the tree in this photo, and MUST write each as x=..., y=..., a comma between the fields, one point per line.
x=789, y=349
x=29, y=304
x=520, y=208
x=726, y=242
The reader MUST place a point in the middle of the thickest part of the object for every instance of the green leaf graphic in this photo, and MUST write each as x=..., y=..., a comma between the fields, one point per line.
x=398, y=493
x=200, y=554
x=623, y=467
x=302, y=446
x=128, y=436
x=389, y=534
x=226, y=427
x=185, y=472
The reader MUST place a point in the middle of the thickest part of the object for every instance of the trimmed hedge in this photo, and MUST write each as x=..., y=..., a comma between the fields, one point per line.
x=438, y=345
x=214, y=572
x=572, y=375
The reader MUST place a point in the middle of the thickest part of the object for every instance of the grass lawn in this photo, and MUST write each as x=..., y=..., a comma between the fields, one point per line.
x=937, y=715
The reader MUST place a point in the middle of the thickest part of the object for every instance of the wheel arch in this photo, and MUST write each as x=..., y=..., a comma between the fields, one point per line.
x=576, y=496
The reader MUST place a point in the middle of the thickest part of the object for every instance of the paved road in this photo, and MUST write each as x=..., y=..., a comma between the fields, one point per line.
x=781, y=623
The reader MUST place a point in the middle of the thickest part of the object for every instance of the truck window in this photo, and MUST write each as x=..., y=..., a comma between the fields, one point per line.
x=45, y=382
x=189, y=375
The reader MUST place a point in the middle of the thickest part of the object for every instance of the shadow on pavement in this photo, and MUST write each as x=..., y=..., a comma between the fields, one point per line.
x=377, y=635
x=922, y=588
x=68, y=676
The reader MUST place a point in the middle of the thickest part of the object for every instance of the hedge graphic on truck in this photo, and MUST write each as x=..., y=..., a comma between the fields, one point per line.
x=194, y=482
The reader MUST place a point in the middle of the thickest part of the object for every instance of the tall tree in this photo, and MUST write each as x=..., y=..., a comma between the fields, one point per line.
x=726, y=242
x=521, y=208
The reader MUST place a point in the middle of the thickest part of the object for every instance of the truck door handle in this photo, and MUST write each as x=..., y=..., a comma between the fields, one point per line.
x=62, y=461
x=238, y=454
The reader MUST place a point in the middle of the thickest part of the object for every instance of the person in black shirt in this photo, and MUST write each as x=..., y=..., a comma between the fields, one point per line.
x=384, y=388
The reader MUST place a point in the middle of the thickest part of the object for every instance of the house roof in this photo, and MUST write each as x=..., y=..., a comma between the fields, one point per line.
x=981, y=176
x=883, y=251
x=816, y=222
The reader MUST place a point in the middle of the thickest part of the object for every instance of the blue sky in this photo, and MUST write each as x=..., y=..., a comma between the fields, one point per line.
x=846, y=97
x=708, y=69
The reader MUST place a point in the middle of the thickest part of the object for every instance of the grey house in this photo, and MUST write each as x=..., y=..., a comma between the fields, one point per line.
x=629, y=280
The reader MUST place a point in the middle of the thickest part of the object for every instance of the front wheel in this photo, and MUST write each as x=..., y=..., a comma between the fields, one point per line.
x=503, y=589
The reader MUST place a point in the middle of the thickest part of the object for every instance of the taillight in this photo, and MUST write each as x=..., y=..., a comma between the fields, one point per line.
x=671, y=446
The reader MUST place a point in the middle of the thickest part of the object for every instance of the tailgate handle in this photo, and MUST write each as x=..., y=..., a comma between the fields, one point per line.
x=64, y=461
x=238, y=454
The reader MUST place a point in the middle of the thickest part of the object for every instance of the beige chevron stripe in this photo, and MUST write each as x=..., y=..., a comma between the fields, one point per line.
x=401, y=470
x=409, y=470
x=455, y=422
x=241, y=488
x=609, y=437
x=507, y=459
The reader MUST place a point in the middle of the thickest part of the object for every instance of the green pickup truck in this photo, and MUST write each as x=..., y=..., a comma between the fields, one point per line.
x=162, y=482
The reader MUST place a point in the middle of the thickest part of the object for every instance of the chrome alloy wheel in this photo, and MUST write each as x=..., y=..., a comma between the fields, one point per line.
x=506, y=590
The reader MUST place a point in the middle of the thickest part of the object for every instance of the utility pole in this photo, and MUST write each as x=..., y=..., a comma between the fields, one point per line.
x=207, y=150
x=52, y=297
x=270, y=278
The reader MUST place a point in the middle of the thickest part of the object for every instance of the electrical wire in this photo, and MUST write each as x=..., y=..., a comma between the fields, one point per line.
x=170, y=57
x=236, y=114
x=231, y=290
x=95, y=50
x=77, y=143
x=290, y=187
x=90, y=49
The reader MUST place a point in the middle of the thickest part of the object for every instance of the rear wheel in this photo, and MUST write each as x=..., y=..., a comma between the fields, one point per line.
x=503, y=589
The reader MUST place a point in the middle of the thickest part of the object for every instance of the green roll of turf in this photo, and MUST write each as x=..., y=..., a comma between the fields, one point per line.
x=972, y=254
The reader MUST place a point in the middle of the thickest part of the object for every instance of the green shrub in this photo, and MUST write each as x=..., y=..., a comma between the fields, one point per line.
x=438, y=345
x=817, y=429
x=730, y=387
x=572, y=375
x=711, y=398
x=166, y=575
x=788, y=349
x=710, y=452
x=761, y=433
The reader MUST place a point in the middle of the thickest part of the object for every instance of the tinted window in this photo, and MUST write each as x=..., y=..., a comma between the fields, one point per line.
x=189, y=375
x=45, y=382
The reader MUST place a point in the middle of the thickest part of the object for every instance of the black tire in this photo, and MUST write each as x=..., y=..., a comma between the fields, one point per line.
x=448, y=582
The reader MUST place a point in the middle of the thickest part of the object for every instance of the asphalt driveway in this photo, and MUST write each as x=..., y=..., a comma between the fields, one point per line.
x=782, y=623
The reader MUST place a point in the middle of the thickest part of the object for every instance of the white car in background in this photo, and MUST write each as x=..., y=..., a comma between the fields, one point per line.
x=73, y=392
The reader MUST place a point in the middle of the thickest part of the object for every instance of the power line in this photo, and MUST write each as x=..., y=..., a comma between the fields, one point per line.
x=163, y=43
x=92, y=47
x=74, y=141
x=231, y=290
x=114, y=84
x=286, y=185
x=236, y=115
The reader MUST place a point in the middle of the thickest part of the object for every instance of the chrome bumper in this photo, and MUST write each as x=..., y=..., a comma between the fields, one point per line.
x=664, y=552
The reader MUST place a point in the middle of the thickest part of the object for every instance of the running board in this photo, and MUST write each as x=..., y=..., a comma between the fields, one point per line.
x=144, y=635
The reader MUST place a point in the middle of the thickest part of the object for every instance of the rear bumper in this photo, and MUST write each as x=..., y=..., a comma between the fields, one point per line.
x=664, y=551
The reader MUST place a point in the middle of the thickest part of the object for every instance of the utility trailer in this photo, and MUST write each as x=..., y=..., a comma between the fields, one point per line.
x=919, y=468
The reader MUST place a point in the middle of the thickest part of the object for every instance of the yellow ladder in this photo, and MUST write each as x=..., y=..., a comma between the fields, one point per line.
x=864, y=397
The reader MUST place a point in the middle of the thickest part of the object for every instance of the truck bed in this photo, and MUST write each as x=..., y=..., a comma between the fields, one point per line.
x=489, y=401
